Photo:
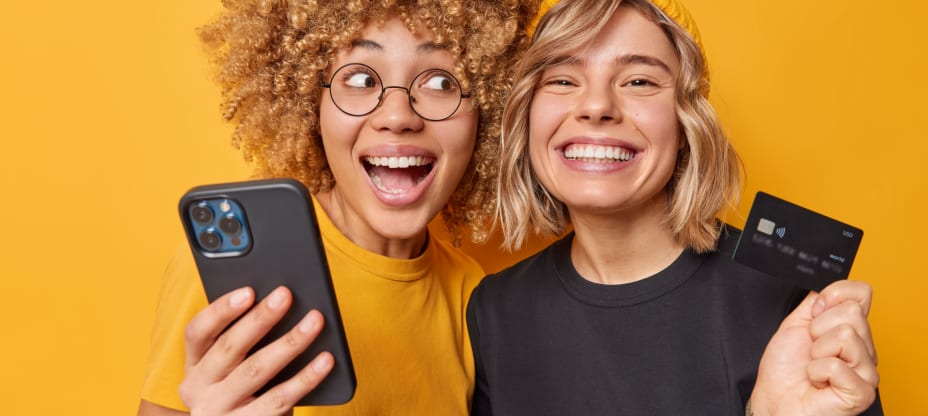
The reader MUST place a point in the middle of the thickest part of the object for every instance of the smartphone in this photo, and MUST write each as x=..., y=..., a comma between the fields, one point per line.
x=264, y=234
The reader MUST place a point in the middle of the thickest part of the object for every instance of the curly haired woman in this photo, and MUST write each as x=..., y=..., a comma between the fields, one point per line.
x=421, y=139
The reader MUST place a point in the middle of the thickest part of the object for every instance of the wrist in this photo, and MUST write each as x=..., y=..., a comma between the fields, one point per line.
x=756, y=406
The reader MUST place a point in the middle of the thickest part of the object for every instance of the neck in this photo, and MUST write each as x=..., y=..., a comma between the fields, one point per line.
x=623, y=247
x=353, y=226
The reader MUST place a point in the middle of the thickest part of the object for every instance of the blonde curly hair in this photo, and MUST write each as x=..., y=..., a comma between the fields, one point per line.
x=270, y=55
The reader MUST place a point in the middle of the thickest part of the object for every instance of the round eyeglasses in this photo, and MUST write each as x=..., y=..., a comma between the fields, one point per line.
x=357, y=90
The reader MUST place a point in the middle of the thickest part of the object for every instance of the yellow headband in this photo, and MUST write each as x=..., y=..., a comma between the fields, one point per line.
x=672, y=8
x=542, y=9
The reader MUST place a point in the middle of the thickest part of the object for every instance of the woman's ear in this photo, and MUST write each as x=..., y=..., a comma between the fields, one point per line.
x=682, y=151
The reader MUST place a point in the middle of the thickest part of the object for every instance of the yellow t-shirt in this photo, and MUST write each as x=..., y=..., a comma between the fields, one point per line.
x=404, y=320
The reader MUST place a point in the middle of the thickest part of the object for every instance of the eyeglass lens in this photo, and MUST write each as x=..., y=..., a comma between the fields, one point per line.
x=357, y=90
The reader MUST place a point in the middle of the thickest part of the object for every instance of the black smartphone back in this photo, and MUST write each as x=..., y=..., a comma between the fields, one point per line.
x=264, y=234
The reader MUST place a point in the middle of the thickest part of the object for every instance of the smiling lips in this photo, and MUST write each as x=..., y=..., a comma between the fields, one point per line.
x=595, y=153
x=397, y=174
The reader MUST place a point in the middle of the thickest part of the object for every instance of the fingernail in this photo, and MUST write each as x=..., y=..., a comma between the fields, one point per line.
x=818, y=307
x=322, y=363
x=276, y=299
x=308, y=324
x=239, y=297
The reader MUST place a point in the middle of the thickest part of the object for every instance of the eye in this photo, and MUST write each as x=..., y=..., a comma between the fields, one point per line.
x=359, y=78
x=437, y=81
x=640, y=82
x=557, y=85
x=558, y=82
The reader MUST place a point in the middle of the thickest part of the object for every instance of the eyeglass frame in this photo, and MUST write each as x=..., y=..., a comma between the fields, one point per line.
x=384, y=88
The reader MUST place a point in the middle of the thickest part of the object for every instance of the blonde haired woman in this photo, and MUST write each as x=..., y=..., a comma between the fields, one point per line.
x=640, y=310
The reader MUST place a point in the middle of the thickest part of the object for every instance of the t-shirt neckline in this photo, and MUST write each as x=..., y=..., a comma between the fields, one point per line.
x=621, y=295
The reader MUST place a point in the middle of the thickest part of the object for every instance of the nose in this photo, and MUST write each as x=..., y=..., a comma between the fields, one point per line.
x=598, y=104
x=395, y=113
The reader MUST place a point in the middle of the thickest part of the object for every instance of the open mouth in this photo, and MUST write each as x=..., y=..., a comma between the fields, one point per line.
x=594, y=153
x=397, y=174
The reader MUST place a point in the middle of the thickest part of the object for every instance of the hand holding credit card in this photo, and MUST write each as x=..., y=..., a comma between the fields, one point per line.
x=790, y=242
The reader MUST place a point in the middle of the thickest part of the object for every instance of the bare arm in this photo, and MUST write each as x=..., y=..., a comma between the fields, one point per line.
x=147, y=408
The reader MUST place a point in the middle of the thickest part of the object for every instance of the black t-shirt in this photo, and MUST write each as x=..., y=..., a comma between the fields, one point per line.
x=686, y=341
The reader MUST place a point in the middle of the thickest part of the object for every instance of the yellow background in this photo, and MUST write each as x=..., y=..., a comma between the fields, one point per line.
x=108, y=115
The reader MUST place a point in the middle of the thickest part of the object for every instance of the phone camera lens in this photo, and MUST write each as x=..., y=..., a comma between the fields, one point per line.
x=201, y=213
x=230, y=225
x=210, y=240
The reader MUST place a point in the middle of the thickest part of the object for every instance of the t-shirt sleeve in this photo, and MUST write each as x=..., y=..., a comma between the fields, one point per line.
x=181, y=298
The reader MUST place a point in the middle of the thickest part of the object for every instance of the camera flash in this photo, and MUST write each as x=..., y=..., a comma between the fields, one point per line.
x=225, y=206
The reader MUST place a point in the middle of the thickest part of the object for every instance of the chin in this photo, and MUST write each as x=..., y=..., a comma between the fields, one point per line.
x=403, y=226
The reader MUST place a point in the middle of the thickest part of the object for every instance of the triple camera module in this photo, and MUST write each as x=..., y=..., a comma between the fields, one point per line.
x=220, y=227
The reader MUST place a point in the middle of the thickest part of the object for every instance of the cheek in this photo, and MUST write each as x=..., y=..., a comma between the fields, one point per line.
x=327, y=108
x=541, y=165
x=463, y=133
x=458, y=138
x=328, y=118
x=339, y=135
x=658, y=122
x=545, y=114
x=336, y=126
x=542, y=160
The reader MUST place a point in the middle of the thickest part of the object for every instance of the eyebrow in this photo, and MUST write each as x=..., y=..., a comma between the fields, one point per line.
x=628, y=59
x=643, y=59
x=374, y=46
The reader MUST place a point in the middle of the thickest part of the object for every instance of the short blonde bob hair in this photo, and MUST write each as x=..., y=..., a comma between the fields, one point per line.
x=708, y=171
x=270, y=55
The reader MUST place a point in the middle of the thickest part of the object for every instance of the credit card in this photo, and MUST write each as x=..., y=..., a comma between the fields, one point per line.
x=790, y=242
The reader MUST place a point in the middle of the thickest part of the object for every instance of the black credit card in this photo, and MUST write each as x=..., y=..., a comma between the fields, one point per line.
x=790, y=242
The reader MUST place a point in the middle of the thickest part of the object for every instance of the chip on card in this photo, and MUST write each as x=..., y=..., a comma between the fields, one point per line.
x=790, y=242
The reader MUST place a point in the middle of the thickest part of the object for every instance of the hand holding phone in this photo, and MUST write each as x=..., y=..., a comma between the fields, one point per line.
x=263, y=235
x=220, y=378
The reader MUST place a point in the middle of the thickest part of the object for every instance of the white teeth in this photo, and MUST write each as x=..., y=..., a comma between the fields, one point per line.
x=597, y=153
x=394, y=162
x=398, y=162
